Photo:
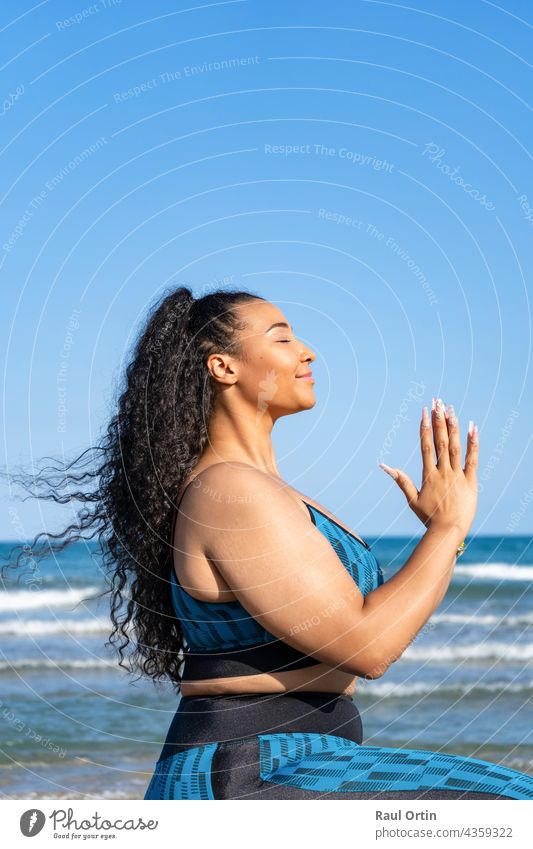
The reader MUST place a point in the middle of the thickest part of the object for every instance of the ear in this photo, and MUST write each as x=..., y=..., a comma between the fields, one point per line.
x=222, y=368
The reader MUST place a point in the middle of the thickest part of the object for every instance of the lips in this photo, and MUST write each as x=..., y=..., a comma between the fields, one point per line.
x=307, y=374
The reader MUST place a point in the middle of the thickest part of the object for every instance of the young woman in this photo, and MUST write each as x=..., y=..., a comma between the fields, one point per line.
x=258, y=604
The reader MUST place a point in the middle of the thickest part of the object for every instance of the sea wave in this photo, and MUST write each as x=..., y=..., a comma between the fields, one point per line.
x=40, y=627
x=495, y=572
x=481, y=651
x=420, y=688
x=14, y=600
x=48, y=663
x=487, y=619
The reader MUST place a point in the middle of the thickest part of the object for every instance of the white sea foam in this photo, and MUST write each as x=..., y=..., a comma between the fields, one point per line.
x=495, y=572
x=13, y=600
x=40, y=627
x=483, y=619
x=386, y=689
x=48, y=663
x=479, y=651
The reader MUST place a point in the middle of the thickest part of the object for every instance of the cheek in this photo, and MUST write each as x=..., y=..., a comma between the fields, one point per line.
x=277, y=356
x=286, y=357
x=275, y=362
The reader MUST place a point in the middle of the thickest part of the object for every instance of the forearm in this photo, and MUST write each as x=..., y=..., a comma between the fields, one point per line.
x=395, y=612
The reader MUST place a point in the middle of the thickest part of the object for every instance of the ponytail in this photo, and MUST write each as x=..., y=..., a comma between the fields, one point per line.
x=127, y=485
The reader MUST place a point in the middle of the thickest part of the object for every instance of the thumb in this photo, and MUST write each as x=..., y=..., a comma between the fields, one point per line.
x=404, y=482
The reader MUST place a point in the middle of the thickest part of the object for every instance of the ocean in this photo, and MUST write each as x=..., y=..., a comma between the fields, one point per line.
x=74, y=725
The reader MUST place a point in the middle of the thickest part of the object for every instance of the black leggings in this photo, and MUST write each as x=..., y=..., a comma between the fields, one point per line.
x=306, y=746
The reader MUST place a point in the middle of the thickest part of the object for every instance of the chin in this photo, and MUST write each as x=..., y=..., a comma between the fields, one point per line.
x=300, y=407
x=309, y=405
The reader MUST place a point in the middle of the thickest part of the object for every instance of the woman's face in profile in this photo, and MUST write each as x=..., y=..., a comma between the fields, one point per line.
x=269, y=374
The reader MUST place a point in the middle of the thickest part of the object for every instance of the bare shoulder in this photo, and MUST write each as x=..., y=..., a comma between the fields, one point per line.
x=231, y=498
x=232, y=491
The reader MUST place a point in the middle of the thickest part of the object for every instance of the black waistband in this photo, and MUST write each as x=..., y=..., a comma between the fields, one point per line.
x=218, y=719
x=276, y=656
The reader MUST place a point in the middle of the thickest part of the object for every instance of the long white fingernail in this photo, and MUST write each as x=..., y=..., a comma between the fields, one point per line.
x=389, y=471
x=450, y=412
x=473, y=431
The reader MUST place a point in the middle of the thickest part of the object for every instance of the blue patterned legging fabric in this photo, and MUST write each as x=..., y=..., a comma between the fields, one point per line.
x=307, y=746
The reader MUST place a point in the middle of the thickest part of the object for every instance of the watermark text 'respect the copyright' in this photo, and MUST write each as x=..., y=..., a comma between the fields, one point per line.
x=353, y=156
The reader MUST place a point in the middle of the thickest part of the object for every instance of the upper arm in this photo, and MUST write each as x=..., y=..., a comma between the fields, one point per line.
x=281, y=568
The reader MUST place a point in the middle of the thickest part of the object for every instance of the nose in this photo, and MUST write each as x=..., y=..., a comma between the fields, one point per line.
x=308, y=355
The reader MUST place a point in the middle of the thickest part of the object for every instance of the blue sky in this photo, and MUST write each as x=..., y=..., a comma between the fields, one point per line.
x=364, y=165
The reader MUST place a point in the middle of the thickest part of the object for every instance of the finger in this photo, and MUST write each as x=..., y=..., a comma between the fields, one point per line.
x=472, y=453
x=407, y=486
x=454, y=438
x=426, y=445
x=440, y=434
x=404, y=482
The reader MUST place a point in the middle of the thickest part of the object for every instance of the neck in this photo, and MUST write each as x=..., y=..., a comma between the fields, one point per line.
x=246, y=438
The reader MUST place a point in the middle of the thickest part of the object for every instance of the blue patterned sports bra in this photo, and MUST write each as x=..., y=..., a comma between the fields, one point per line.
x=223, y=640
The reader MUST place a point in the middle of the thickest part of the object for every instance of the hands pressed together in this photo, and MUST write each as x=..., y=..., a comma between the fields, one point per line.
x=448, y=493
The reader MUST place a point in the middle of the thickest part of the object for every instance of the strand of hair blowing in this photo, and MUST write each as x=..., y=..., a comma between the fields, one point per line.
x=127, y=485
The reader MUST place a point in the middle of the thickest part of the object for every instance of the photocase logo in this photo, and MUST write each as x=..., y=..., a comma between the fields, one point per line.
x=268, y=387
x=32, y=822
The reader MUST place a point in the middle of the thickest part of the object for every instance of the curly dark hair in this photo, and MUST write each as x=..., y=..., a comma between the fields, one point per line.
x=129, y=482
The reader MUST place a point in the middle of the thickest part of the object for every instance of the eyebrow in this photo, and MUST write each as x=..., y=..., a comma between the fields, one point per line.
x=280, y=324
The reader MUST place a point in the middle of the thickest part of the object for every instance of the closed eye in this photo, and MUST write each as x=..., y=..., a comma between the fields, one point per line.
x=284, y=340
